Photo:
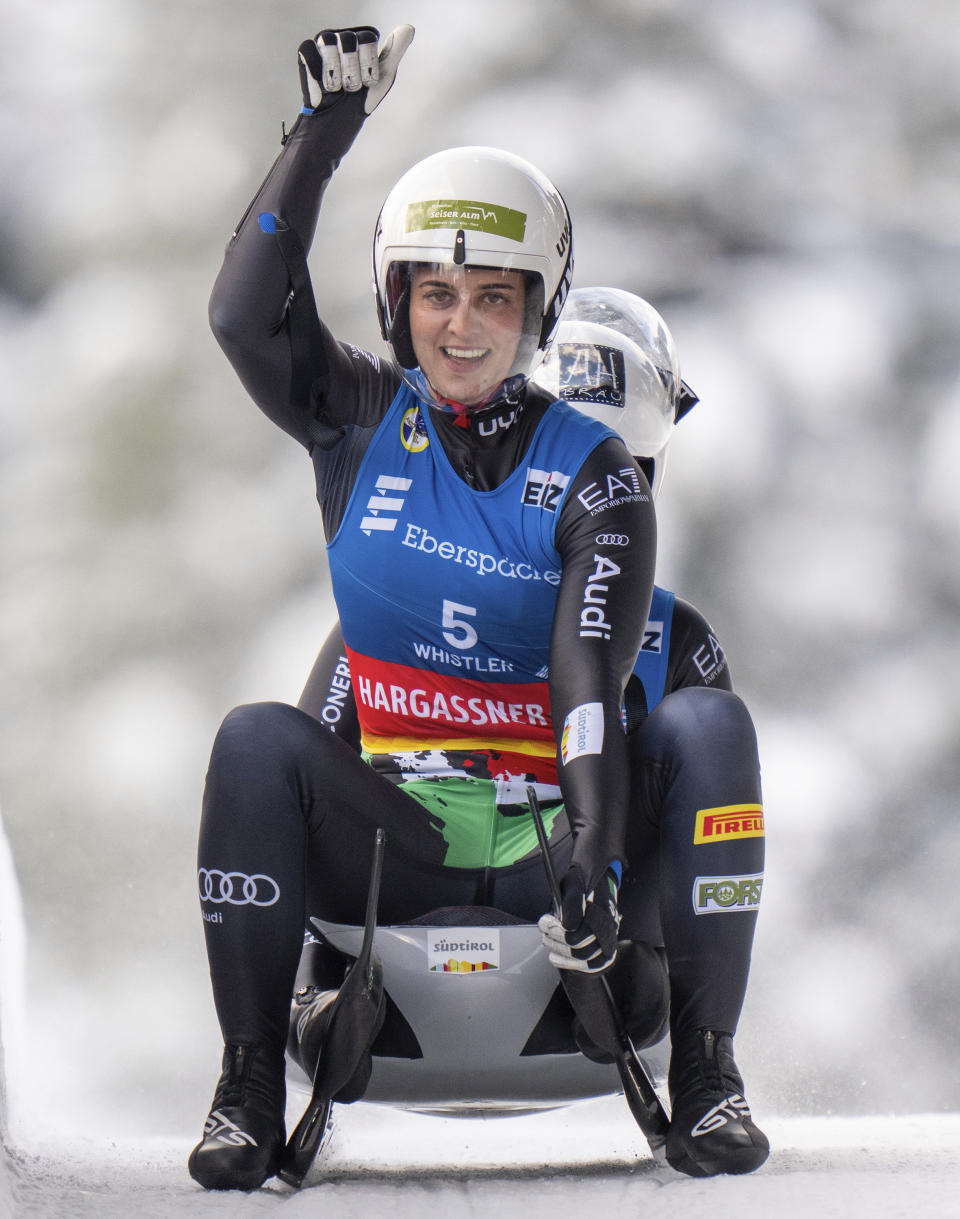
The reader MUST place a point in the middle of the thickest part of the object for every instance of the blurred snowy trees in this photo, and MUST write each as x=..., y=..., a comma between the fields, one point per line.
x=780, y=179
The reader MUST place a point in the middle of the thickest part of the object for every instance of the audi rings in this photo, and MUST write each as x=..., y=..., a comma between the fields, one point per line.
x=237, y=888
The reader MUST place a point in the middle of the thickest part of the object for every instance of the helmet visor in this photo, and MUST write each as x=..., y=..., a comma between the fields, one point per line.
x=466, y=337
x=606, y=375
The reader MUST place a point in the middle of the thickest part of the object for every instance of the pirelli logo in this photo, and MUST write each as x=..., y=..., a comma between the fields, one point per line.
x=728, y=822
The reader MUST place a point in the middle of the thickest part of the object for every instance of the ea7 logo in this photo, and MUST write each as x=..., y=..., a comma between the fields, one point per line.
x=383, y=504
x=709, y=658
x=543, y=488
x=622, y=487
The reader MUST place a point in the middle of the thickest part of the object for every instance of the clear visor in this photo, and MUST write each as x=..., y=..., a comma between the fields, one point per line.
x=608, y=377
x=465, y=337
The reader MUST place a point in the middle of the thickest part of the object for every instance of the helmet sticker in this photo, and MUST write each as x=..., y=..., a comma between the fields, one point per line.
x=590, y=372
x=465, y=214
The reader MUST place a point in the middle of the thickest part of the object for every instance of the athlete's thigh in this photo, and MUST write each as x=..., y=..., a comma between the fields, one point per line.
x=339, y=862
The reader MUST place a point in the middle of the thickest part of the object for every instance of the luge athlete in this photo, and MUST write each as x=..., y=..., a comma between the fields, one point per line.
x=465, y=513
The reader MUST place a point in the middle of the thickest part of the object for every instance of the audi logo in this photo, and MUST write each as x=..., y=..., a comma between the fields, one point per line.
x=236, y=888
x=612, y=539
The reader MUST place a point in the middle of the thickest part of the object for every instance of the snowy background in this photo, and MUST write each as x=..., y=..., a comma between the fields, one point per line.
x=781, y=178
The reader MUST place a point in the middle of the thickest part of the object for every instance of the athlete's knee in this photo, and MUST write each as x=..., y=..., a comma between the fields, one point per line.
x=251, y=726
x=701, y=719
x=260, y=737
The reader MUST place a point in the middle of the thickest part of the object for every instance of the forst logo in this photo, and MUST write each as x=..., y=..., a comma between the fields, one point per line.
x=726, y=894
x=728, y=822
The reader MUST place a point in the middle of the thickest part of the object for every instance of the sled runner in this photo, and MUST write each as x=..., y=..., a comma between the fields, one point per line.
x=466, y=1015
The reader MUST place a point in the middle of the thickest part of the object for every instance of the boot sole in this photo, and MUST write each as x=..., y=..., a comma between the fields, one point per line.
x=733, y=1163
x=226, y=1178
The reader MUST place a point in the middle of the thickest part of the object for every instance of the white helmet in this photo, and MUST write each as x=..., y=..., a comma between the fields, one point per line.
x=613, y=358
x=474, y=208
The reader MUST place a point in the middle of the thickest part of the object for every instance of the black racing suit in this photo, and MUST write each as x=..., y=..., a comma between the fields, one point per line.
x=290, y=810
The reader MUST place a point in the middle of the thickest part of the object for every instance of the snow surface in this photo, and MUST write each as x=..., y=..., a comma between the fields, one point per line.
x=382, y=1161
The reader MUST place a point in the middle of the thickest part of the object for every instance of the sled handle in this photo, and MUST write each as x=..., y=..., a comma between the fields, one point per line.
x=541, y=829
x=373, y=900
x=639, y=1092
x=373, y=893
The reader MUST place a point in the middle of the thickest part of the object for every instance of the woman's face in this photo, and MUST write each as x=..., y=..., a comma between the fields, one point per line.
x=465, y=324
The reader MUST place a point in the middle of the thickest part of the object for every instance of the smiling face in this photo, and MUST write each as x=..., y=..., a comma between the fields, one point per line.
x=465, y=325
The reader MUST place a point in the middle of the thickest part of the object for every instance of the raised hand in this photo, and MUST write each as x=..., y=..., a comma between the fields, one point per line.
x=348, y=61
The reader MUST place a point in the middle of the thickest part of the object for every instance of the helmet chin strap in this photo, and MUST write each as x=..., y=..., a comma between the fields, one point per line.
x=434, y=398
x=463, y=412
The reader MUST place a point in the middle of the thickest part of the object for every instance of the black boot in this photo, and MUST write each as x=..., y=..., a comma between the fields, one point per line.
x=711, y=1130
x=330, y=1035
x=309, y=1021
x=641, y=992
x=245, y=1133
x=310, y=1018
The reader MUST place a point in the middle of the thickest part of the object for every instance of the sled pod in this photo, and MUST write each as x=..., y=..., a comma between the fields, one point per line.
x=476, y=1018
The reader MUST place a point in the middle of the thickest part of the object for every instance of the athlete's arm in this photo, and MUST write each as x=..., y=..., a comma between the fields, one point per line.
x=606, y=536
x=262, y=308
x=696, y=657
x=328, y=694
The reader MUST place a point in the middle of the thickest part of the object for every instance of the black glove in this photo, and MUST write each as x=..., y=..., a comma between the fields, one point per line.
x=584, y=937
x=346, y=61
